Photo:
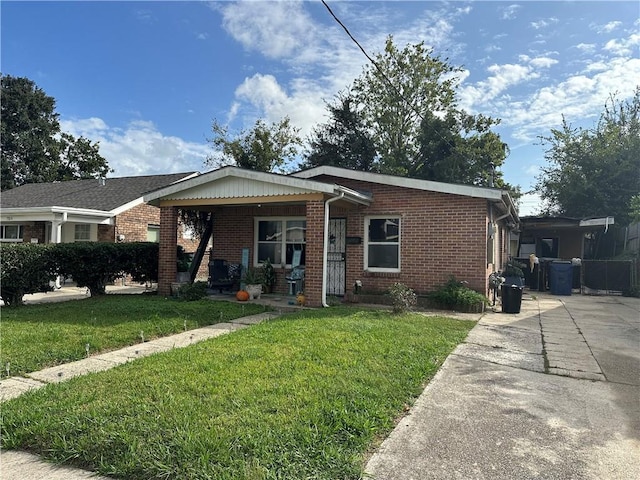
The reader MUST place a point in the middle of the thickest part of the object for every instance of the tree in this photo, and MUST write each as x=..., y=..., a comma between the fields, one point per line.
x=459, y=148
x=33, y=147
x=408, y=101
x=343, y=141
x=595, y=172
x=265, y=148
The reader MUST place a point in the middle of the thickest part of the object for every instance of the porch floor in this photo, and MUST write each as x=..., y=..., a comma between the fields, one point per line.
x=279, y=302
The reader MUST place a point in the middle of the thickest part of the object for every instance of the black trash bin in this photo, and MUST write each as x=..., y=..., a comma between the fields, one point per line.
x=560, y=278
x=511, y=298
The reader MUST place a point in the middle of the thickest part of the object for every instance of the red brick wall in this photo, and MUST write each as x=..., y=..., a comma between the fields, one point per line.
x=314, y=257
x=167, y=268
x=33, y=230
x=106, y=233
x=134, y=222
x=441, y=235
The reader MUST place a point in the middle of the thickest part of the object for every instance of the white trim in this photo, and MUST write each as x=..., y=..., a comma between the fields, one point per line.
x=224, y=172
x=455, y=189
x=366, y=266
x=52, y=214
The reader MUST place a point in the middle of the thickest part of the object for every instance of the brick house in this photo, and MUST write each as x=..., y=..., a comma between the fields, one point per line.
x=105, y=210
x=344, y=226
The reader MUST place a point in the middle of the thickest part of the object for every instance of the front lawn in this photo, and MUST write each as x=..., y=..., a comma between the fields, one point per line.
x=33, y=337
x=305, y=396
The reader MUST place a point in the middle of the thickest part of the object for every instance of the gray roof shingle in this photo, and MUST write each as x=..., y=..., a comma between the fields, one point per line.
x=86, y=193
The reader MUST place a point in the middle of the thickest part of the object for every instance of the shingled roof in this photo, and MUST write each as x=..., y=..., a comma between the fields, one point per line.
x=87, y=194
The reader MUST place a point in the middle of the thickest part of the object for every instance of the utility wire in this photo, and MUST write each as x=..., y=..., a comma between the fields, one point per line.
x=375, y=64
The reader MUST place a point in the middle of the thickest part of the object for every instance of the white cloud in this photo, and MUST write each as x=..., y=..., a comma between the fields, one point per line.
x=624, y=47
x=544, y=23
x=276, y=29
x=271, y=101
x=586, y=47
x=510, y=12
x=607, y=27
x=139, y=149
x=578, y=98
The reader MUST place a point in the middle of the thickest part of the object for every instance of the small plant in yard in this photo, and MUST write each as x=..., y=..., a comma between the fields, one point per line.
x=192, y=291
x=456, y=295
x=403, y=298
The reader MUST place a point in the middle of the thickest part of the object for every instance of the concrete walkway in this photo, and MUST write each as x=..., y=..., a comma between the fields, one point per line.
x=550, y=393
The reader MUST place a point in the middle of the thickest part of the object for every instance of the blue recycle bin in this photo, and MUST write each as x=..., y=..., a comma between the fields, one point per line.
x=560, y=278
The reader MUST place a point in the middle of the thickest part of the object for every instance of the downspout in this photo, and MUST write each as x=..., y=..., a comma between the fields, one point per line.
x=325, y=248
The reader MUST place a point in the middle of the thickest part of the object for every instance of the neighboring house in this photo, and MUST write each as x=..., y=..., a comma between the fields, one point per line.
x=559, y=237
x=105, y=210
x=345, y=226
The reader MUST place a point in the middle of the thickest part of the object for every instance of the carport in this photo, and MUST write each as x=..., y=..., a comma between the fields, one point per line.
x=238, y=199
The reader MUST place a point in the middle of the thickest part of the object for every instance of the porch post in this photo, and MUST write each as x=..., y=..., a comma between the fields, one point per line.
x=167, y=267
x=313, y=276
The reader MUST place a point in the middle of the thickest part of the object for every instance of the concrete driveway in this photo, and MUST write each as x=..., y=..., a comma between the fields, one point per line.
x=550, y=393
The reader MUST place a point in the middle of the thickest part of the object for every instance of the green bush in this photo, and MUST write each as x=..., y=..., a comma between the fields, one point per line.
x=403, y=298
x=192, y=291
x=24, y=268
x=96, y=264
x=455, y=295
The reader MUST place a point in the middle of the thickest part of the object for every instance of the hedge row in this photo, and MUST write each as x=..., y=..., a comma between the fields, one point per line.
x=28, y=268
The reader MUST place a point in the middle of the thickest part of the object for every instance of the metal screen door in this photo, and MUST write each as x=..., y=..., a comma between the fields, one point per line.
x=336, y=270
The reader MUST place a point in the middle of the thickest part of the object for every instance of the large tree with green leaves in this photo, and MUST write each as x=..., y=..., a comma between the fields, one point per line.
x=34, y=150
x=343, y=141
x=406, y=104
x=265, y=148
x=596, y=171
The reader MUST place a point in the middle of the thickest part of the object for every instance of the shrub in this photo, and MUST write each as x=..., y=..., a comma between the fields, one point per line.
x=24, y=268
x=455, y=295
x=403, y=298
x=95, y=264
x=192, y=291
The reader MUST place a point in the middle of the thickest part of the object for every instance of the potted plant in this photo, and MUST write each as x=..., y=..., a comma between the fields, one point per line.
x=268, y=276
x=253, y=281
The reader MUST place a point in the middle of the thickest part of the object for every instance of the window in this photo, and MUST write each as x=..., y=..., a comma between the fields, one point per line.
x=11, y=233
x=82, y=232
x=382, y=244
x=548, y=248
x=153, y=233
x=278, y=238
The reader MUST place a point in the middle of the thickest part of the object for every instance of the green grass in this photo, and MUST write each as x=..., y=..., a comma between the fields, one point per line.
x=33, y=337
x=305, y=396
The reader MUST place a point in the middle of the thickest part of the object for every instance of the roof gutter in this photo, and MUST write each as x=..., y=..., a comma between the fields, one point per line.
x=325, y=247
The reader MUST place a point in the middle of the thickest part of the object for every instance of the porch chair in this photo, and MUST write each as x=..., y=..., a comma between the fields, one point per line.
x=296, y=277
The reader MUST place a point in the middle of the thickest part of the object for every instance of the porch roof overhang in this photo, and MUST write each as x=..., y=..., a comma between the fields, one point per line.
x=566, y=223
x=237, y=186
x=56, y=214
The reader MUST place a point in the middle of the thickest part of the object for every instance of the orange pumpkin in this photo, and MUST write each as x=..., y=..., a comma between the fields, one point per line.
x=242, y=296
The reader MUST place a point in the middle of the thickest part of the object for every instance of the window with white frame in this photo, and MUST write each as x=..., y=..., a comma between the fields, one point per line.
x=382, y=244
x=82, y=232
x=278, y=238
x=11, y=233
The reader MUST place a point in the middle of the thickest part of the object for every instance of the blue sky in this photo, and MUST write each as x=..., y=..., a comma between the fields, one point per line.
x=146, y=79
